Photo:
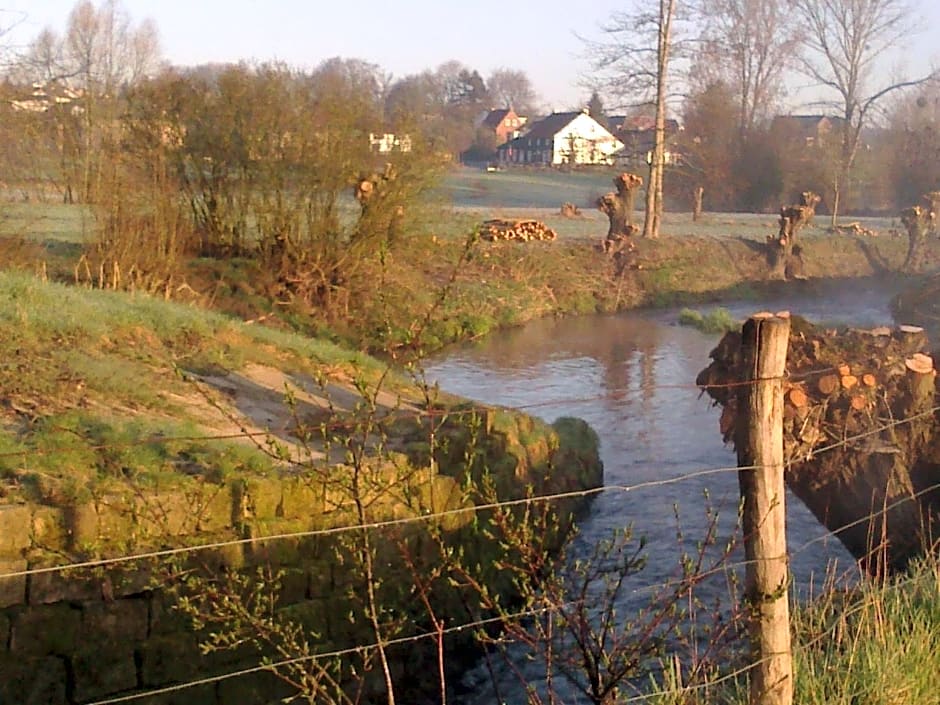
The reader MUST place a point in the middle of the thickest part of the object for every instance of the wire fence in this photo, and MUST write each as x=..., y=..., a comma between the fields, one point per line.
x=352, y=422
x=437, y=516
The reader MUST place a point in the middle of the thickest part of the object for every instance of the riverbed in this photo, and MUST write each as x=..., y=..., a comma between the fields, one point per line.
x=667, y=471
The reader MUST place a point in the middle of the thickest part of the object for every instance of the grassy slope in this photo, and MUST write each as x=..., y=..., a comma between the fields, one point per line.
x=875, y=643
x=87, y=374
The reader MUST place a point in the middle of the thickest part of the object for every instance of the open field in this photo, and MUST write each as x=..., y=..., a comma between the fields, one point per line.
x=539, y=193
x=45, y=221
x=473, y=195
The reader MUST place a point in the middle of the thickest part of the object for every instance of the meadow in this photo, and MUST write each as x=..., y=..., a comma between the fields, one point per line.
x=539, y=193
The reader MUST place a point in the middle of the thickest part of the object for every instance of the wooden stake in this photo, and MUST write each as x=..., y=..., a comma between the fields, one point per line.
x=760, y=445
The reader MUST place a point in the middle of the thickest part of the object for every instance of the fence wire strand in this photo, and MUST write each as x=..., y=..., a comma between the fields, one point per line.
x=480, y=623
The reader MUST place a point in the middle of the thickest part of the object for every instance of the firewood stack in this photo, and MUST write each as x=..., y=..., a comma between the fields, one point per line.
x=858, y=418
x=515, y=230
x=854, y=228
x=830, y=376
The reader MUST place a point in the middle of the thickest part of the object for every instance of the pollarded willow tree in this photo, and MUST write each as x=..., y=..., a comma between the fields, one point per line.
x=635, y=62
x=847, y=44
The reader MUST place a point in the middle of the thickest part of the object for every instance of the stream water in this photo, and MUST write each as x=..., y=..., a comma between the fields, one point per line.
x=632, y=378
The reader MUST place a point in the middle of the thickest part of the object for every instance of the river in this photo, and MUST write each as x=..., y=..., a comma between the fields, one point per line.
x=632, y=378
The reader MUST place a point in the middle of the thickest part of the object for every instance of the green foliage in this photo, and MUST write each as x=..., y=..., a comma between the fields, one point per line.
x=717, y=320
x=875, y=642
x=69, y=457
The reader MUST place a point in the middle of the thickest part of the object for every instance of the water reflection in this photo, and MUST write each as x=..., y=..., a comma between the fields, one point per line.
x=632, y=378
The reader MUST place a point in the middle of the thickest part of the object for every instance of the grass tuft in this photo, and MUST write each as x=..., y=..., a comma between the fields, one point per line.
x=717, y=320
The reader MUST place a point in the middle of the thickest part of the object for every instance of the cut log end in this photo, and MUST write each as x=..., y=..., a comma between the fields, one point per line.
x=798, y=397
x=910, y=330
x=828, y=384
x=919, y=363
x=858, y=402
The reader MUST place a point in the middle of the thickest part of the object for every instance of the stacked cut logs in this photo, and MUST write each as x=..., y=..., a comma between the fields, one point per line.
x=859, y=430
x=519, y=230
x=855, y=228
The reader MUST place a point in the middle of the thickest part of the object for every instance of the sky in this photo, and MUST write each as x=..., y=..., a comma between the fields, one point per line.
x=540, y=37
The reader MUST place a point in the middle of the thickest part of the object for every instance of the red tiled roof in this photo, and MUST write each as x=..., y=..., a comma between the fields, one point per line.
x=495, y=117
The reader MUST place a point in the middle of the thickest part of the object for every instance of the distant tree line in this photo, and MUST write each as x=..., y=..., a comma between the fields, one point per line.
x=285, y=167
x=722, y=67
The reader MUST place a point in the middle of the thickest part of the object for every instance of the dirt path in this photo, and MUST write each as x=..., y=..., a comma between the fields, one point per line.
x=267, y=405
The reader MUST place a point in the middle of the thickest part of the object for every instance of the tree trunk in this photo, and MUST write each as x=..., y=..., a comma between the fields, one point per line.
x=618, y=206
x=697, y=196
x=654, y=192
x=917, y=221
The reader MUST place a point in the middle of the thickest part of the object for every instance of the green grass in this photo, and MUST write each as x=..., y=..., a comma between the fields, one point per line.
x=46, y=221
x=876, y=643
x=718, y=320
x=70, y=457
x=527, y=188
x=88, y=376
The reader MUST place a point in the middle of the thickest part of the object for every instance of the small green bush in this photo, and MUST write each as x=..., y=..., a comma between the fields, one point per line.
x=718, y=320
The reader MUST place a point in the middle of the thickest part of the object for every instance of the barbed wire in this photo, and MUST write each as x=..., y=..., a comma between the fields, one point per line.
x=473, y=509
x=396, y=414
x=459, y=511
x=484, y=622
x=381, y=524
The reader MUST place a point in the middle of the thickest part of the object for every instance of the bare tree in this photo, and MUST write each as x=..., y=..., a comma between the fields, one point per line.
x=635, y=63
x=510, y=87
x=747, y=44
x=9, y=21
x=101, y=53
x=844, y=40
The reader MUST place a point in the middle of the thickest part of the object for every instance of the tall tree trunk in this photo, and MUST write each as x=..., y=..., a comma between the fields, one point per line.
x=654, y=191
x=836, y=198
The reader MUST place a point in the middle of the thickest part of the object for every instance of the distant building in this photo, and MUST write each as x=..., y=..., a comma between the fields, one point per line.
x=562, y=138
x=389, y=142
x=503, y=123
x=46, y=96
x=638, y=134
x=807, y=130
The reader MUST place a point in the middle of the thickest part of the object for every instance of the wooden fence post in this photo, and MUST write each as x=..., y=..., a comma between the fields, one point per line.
x=759, y=442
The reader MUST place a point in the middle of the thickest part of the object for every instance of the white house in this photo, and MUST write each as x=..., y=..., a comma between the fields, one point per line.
x=389, y=142
x=562, y=138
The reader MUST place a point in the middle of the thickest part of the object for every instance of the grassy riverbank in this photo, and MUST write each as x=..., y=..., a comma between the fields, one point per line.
x=876, y=642
x=442, y=288
x=129, y=424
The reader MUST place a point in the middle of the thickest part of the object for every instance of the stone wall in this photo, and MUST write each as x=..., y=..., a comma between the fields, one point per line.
x=78, y=636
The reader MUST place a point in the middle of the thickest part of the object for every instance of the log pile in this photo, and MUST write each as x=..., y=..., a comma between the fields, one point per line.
x=516, y=230
x=861, y=438
x=855, y=228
